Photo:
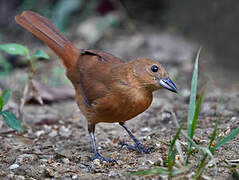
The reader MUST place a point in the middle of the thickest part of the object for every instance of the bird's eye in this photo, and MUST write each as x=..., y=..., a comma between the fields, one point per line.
x=154, y=68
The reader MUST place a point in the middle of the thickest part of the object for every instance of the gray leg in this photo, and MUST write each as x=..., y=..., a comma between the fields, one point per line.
x=96, y=153
x=138, y=146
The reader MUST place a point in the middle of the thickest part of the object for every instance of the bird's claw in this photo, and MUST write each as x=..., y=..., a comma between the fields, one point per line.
x=102, y=159
x=137, y=147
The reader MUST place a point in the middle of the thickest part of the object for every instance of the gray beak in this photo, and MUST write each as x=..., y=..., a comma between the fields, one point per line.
x=168, y=84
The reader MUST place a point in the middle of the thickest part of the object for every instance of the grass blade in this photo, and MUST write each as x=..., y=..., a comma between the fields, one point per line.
x=202, y=149
x=191, y=109
x=193, y=94
x=1, y=104
x=196, y=113
x=194, y=122
x=226, y=139
x=172, y=150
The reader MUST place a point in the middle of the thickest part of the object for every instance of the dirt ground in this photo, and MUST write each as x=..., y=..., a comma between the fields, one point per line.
x=58, y=146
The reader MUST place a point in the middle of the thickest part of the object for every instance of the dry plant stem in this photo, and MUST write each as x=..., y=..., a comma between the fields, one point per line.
x=163, y=142
x=23, y=101
x=29, y=88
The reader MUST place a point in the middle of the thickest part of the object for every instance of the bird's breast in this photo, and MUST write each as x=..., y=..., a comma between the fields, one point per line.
x=122, y=105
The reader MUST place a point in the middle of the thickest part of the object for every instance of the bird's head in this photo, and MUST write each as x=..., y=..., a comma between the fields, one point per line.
x=152, y=75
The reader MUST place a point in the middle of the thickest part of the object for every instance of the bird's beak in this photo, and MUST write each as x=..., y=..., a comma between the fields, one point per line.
x=168, y=84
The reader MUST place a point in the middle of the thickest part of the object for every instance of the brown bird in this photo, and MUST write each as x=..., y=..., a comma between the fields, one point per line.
x=108, y=89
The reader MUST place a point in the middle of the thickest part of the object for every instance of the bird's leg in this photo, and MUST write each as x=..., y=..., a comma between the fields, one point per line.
x=138, y=146
x=95, y=150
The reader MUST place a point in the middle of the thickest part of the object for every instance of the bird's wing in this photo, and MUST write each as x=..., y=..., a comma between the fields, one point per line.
x=95, y=74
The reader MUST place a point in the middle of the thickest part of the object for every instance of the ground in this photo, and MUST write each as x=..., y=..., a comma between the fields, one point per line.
x=56, y=144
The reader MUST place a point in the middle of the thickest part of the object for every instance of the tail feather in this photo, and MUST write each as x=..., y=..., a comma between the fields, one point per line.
x=44, y=30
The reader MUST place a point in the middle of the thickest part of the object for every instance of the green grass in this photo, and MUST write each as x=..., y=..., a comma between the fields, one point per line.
x=203, y=155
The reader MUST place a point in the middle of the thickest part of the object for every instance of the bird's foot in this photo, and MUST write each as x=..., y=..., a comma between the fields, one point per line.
x=138, y=147
x=102, y=159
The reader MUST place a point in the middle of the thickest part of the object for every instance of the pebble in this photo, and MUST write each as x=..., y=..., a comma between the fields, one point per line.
x=53, y=133
x=112, y=174
x=96, y=162
x=149, y=162
x=158, y=145
x=39, y=133
x=145, y=129
x=65, y=132
x=49, y=172
x=74, y=176
x=14, y=166
x=65, y=160
x=47, y=128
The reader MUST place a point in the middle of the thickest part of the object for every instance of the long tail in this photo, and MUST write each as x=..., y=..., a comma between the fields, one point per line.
x=43, y=29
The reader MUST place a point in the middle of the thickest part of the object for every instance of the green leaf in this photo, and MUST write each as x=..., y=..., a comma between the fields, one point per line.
x=5, y=96
x=40, y=54
x=226, y=139
x=11, y=120
x=193, y=94
x=196, y=113
x=1, y=104
x=14, y=49
x=172, y=150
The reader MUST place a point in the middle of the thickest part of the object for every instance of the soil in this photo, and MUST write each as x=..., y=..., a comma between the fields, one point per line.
x=56, y=144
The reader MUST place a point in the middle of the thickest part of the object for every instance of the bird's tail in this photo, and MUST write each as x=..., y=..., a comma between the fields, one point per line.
x=43, y=29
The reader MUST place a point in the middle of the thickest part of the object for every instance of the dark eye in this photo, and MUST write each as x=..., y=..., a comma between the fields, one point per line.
x=154, y=68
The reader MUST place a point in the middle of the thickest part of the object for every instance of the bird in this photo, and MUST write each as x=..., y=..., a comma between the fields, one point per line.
x=107, y=88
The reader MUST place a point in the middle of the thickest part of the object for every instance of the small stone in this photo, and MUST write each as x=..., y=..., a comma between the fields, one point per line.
x=74, y=176
x=149, y=162
x=44, y=161
x=39, y=133
x=126, y=166
x=53, y=133
x=145, y=129
x=13, y=166
x=158, y=145
x=65, y=132
x=49, y=172
x=234, y=120
x=96, y=162
x=112, y=174
x=65, y=160
x=47, y=128
x=165, y=116
x=9, y=135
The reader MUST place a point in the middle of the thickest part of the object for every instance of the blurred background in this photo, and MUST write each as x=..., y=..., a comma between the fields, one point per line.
x=167, y=31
